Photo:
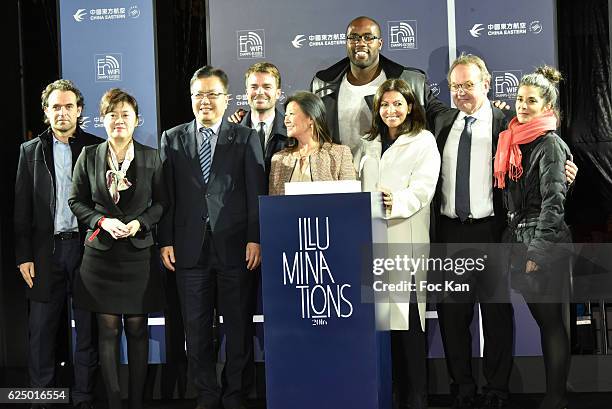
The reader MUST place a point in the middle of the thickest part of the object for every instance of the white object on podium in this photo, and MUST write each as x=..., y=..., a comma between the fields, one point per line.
x=318, y=188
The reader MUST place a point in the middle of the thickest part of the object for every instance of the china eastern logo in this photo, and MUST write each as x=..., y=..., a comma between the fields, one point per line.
x=79, y=15
x=251, y=44
x=506, y=83
x=108, y=67
x=402, y=35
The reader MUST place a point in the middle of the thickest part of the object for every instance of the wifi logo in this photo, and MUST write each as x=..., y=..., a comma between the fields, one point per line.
x=505, y=84
x=108, y=67
x=402, y=34
x=251, y=44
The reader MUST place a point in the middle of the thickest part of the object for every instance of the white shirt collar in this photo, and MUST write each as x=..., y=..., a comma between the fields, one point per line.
x=268, y=121
x=215, y=127
x=484, y=113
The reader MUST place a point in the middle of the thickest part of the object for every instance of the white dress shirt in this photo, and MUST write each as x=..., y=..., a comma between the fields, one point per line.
x=267, y=125
x=481, y=164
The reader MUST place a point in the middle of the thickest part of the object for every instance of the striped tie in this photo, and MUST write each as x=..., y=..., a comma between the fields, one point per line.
x=205, y=152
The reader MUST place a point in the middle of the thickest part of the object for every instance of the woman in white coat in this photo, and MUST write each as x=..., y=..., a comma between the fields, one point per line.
x=400, y=158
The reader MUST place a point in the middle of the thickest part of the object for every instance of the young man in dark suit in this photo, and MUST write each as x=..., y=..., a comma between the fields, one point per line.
x=263, y=89
x=49, y=241
x=214, y=172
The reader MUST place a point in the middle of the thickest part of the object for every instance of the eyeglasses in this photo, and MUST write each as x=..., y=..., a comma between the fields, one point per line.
x=367, y=38
x=466, y=86
x=211, y=96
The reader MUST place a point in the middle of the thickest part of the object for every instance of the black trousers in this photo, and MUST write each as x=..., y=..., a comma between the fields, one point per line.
x=212, y=283
x=455, y=316
x=409, y=363
x=44, y=320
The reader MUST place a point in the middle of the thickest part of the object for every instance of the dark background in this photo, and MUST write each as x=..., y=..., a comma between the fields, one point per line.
x=31, y=62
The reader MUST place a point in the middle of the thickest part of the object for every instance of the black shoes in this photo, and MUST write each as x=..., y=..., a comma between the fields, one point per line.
x=465, y=402
x=488, y=401
x=492, y=401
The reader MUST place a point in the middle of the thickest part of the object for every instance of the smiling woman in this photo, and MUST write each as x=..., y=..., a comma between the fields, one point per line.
x=529, y=166
x=310, y=155
x=400, y=158
x=118, y=193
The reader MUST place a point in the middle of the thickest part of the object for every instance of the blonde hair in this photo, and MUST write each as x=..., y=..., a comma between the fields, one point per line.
x=467, y=59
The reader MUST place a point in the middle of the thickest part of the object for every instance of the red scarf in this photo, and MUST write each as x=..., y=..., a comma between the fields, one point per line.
x=508, y=156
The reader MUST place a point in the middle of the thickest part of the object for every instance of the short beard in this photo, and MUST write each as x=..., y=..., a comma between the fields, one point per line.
x=262, y=110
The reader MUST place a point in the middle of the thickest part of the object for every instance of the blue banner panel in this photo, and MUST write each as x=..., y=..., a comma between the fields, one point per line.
x=111, y=44
x=512, y=37
x=321, y=344
x=301, y=38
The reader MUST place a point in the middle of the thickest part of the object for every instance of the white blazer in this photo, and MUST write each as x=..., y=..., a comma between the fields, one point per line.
x=409, y=169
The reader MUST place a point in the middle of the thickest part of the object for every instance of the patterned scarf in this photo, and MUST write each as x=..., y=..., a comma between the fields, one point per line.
x=508, y=156
x=116, y=179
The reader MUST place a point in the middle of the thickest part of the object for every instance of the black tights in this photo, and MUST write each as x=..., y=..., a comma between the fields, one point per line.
x=136, y=330
x=555, y=348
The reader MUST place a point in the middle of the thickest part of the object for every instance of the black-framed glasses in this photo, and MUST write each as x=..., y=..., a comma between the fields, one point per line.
x=211, y=96
x=466, y=86
x=367, y=38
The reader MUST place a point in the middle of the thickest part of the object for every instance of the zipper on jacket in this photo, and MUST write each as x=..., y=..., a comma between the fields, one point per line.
x=52, y=189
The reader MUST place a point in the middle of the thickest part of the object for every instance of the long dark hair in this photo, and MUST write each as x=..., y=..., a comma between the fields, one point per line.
x=415, y=120
x=313, y=107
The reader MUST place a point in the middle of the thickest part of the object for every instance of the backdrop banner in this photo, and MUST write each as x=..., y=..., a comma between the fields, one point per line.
x=302, y=38
x=111, y=44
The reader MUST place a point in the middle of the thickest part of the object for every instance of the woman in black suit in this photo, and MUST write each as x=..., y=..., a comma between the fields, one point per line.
x=117, y=192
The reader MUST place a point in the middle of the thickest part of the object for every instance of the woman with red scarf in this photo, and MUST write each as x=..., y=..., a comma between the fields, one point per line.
x=529, y=166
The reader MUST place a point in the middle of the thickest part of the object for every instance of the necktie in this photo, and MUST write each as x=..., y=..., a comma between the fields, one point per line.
x=462, y=183
x=262, y=136
x=205, y=153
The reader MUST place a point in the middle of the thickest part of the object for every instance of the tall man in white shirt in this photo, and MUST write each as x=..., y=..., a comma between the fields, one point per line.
x=471, y=211
x=348, y=87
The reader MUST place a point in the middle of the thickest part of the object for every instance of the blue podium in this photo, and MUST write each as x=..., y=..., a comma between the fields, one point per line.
x=322, y=348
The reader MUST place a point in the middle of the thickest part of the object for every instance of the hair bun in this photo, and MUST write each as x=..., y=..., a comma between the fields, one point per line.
x=550, y=73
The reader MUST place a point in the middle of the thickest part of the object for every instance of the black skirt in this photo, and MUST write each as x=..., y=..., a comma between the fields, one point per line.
x=122, y=280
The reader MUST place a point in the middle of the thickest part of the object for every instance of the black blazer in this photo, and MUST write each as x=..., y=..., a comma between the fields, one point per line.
x=35, y=205
x=229, y=201
x=443, y=123
x=278, y=136
x=90, y=198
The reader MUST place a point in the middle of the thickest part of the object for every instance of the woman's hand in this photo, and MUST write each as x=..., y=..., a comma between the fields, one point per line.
x=133, y=228
x=571, y=170
x=115, y=228
x=531, y=266
x=387, y=199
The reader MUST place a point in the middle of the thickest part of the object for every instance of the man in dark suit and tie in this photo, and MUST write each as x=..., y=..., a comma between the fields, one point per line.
x=210, y=235
x=263, y=89
x=470, y=210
